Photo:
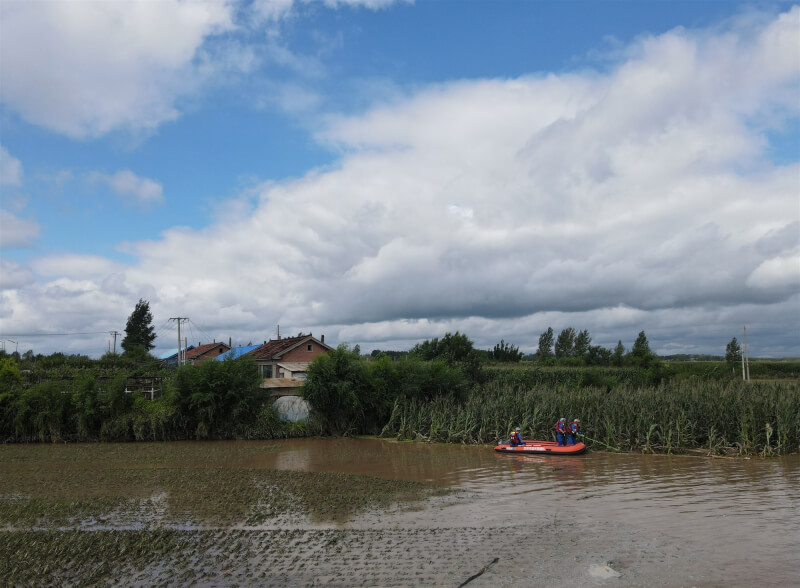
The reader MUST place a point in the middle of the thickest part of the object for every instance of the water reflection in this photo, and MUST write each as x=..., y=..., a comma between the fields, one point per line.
x=744, y=508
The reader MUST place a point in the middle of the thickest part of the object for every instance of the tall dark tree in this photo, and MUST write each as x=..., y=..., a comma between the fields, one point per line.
x=641, y=355
x=545, y=345
x=733, y=354
x=565, y=344
x=139, y=332
x=505, y=352
x=641, y=347
x=619, y=354
x=582, y=343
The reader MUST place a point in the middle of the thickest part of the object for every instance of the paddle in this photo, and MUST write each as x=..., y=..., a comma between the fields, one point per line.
x=600, y=442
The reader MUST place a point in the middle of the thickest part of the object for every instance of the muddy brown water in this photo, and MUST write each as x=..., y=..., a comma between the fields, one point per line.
x=740, y=516
x=598, y=519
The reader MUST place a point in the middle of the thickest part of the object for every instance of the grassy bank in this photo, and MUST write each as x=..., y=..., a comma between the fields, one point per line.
x=673, y=417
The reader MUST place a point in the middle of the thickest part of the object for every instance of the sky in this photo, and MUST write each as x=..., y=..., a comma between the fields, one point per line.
x=385, y=171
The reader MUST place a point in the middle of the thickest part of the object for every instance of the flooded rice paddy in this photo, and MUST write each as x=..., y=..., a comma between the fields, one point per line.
x=347, y=512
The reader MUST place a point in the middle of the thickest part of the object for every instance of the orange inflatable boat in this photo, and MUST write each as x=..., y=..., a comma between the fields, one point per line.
x=541, y=448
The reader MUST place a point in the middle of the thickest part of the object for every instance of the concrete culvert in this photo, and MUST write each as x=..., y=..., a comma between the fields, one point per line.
x=292, y=408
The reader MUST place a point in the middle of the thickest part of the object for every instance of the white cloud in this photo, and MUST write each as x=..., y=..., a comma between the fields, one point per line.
x=779, y=272
x=141, y=191
x=271, y=10
x=639, y=199
x=371, y=4
x=10, y=169
x=276, y=10
x=17, y=232
x=14, y=275
x=290, y=98
x=73, y=265
x=87, y=68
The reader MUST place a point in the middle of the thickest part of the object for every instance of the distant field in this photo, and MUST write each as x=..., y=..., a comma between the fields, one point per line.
x=765, y=370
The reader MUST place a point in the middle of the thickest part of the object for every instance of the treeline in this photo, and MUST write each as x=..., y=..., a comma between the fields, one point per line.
x=36, y=368
x=575, y=348
x=443, y=389
x=214, y=400
x=570, y=348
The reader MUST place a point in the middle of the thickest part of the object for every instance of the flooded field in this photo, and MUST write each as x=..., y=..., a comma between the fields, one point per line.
x=377, y=513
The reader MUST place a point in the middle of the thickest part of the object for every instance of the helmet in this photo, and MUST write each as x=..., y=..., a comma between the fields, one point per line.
x=517, y=429
x=576, y=421
x=562, y=419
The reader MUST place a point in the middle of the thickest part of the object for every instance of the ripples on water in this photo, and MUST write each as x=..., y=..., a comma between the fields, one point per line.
x=744, y=507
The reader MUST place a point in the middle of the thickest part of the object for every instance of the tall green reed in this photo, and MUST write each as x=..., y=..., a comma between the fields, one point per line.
x=671, y=417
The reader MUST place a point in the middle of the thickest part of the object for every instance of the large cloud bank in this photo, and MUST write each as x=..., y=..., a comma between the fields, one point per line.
x=86, y=68
x=637, y=198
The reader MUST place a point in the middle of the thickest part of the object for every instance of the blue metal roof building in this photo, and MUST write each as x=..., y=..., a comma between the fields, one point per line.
x=237, y=352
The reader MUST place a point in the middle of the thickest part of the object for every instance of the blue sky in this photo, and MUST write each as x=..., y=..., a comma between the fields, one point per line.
x=386, y=171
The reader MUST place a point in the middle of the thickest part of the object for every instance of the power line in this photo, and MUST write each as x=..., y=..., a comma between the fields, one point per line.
x=54, y=334
x=203, y=332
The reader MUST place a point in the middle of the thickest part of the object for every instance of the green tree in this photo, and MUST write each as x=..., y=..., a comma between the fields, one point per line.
x=582, y=343
x=505, y=352
x=456, y=350
x=641, y=347
x=139, y=330
x=336, y=384
x=618, y=357
x=598, y=355
x=545, y=350
x=565, y=344
x=733, y=354
x=640, y=352
x=10, y=378
x=216, y=396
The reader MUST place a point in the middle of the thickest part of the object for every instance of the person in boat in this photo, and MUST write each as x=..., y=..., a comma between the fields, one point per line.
x=573, y=430
x=516, y=438
x=561, y=432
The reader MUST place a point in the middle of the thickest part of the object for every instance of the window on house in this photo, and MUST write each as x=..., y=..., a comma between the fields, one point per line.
x=266, y=371
x=309, y=347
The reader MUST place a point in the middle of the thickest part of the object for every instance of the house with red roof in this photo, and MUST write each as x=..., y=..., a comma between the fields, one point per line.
x=205, y=352
x=283, y=362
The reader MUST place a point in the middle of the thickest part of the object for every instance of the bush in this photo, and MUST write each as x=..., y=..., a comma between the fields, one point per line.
x=350, y=395
x=215, y=396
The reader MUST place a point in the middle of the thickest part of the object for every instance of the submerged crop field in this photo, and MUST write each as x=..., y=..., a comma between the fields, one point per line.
x=88, y=513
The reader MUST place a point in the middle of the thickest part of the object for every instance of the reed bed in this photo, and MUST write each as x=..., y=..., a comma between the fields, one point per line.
x=723, y=417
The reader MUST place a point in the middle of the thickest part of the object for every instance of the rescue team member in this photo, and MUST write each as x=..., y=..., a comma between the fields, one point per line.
x=561, y=432
x=572, y=432
x=516, y=438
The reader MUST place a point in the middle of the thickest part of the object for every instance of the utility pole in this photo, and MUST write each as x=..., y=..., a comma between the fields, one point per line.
x=744, y=373
x=747, y=354
x=115, y=333
x=745, y=358
x=179, y=320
